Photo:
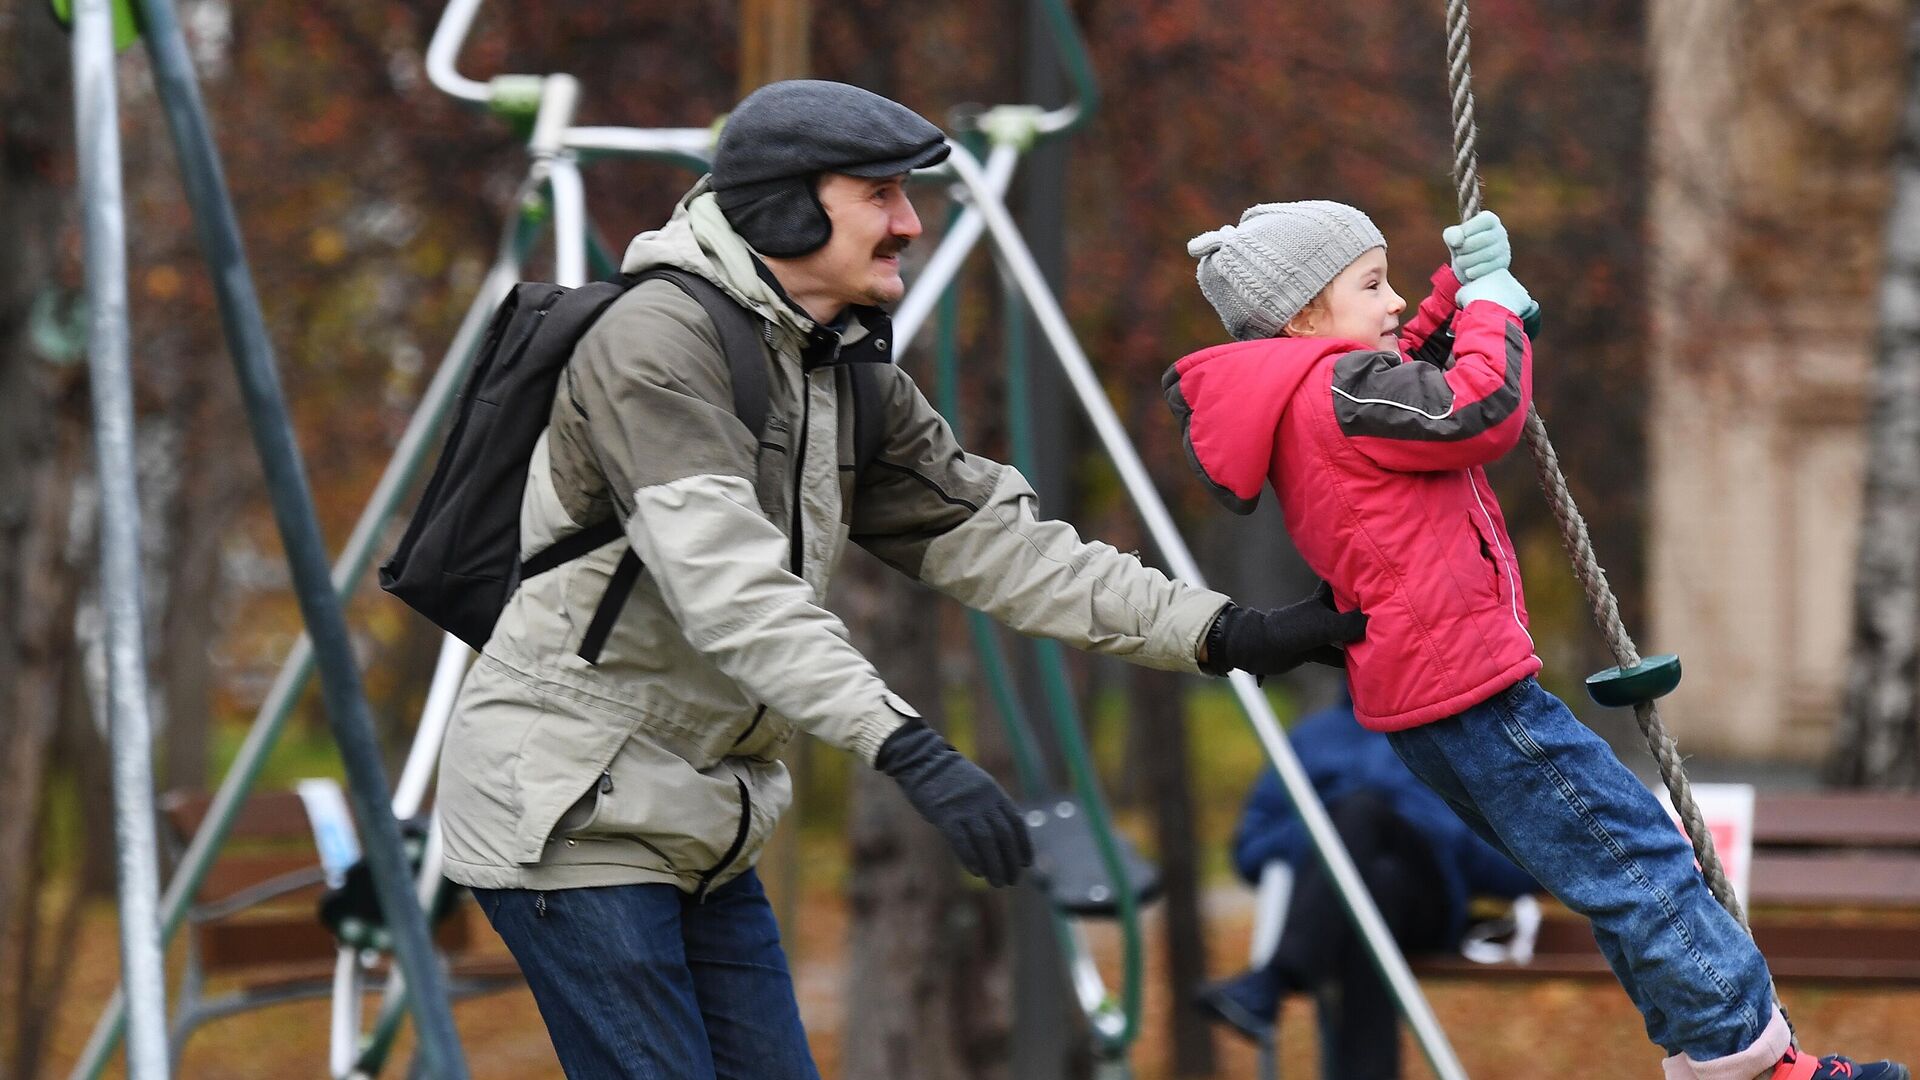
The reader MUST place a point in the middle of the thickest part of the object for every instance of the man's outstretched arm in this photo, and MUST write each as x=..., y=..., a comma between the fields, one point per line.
x=971, y=528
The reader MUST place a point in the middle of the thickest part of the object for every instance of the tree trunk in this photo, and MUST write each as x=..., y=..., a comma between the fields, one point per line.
x=190, y=623
x=42, y=454
x=41, y=971
x=1159, y=714
x=926, y=990
x=773, y=41
x=1877, y=743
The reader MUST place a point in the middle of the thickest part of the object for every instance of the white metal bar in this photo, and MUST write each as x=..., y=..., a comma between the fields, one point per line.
x=415, y=777
x=130, y=729
x=951, y=253
x=1093, y=400
x=569, y=209
x=1090, y=986
x=443, y=52
x=343, y=1039
x=559, y=100
x=685, y=142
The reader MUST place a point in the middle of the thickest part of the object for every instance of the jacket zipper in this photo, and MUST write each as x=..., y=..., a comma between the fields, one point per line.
x=739, y=841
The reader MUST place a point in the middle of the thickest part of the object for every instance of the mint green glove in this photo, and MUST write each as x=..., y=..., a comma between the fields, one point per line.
x=1500, y=287
x=1479, y=246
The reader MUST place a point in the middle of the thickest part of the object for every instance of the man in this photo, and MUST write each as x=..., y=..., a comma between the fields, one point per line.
x=608, y=782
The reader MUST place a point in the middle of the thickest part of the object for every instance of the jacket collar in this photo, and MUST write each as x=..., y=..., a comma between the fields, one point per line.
x=699, y=239
x=861, y=335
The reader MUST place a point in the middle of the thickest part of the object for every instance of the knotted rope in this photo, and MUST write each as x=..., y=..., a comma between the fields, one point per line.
x=1573, y=527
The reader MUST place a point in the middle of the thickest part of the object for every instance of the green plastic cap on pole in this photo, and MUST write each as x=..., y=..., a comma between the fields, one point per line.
x=126, y=23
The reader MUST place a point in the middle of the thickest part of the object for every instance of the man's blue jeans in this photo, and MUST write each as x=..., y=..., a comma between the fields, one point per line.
x=639, y=982
x=1539, y=785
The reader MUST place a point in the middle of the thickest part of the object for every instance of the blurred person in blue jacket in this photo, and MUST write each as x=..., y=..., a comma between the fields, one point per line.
x=1418, y=859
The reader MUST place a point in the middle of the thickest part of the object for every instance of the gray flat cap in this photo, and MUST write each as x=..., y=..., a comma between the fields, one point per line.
x=801, y=127
x=786, y=133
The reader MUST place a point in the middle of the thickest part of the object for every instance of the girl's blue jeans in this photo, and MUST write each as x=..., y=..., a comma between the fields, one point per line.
x=1538, y=784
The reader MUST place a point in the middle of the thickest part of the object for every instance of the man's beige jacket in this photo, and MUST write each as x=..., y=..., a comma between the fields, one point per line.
x=658, y=761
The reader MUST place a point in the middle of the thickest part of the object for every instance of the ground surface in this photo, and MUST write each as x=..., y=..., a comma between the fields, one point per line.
x=1543, y=1029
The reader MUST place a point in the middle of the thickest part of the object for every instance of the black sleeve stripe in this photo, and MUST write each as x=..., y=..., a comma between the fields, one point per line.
x=919, y=536
x=1438, y=348
x=1376, y=395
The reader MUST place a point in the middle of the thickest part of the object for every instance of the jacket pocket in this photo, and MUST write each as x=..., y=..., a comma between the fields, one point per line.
x=1489, y=563
x=699, y=822
x=1502, y=571
x=564, y=749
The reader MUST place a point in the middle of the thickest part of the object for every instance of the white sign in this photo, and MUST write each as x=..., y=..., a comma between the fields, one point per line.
x=1728, y=810
x=332, y=824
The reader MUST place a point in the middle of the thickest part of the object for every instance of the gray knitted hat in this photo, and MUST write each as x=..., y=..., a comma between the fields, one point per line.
x=1260, y=273
x=786, y=133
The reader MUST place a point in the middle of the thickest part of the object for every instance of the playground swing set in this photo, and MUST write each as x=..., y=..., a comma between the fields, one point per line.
x=383, y=885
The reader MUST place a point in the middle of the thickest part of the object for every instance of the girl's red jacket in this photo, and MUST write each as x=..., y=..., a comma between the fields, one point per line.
x=1377, y=458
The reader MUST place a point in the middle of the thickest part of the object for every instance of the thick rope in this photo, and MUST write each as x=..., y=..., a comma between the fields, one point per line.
x=1573, y=527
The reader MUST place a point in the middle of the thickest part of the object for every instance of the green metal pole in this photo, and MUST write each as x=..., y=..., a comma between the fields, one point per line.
x=986, y=643
x=347, y=712
x=1073, y=56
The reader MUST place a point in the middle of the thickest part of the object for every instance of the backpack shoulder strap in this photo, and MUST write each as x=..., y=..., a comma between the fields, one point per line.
x=740, y=340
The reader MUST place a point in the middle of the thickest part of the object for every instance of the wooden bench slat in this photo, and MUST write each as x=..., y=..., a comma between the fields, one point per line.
x=1881, y=879
x=242, y=944
x=234, y=873
x=1837, y=819
x=1794, y=950
x=488, y=966
x=265, y=815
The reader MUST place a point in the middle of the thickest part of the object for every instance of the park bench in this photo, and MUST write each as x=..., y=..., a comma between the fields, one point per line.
x=253, y=925
x=1836, y=898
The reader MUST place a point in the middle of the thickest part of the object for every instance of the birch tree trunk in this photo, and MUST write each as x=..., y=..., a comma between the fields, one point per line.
x=1877, y=743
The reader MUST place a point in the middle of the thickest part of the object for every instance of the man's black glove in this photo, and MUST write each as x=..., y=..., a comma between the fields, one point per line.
x=980, y=823
x=1271, y=642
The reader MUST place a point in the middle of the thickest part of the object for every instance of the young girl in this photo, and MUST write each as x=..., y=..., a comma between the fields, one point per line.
x=1375, y=437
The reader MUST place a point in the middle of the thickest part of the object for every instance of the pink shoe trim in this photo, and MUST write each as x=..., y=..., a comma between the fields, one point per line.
x=1801, y=1067
x=1762, y=1055
x=1678, y=1067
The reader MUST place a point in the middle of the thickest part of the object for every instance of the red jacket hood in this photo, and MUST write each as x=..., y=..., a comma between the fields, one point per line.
x=1230, y=398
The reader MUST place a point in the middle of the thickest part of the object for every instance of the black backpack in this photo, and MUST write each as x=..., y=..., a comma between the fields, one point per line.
x=459, y=559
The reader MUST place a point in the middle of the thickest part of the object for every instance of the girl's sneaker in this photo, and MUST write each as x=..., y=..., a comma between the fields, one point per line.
x=1799, y=1066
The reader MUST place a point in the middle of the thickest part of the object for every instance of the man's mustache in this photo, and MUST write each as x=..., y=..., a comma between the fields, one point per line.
x=891, y=247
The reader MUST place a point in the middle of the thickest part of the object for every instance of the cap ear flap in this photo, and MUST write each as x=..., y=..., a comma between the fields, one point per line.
x=782, y=220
